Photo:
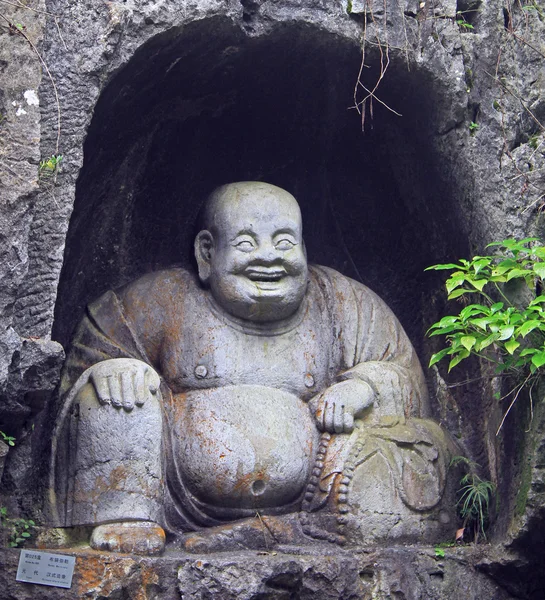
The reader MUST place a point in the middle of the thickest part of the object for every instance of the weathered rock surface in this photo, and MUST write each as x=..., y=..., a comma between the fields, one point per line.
x=33, y=371
x=379, y=574
x=176, y=79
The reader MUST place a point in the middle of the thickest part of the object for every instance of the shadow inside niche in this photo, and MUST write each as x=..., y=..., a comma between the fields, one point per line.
x=201, y=107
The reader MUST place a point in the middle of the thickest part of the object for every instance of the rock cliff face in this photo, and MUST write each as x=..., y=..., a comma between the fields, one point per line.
x=160, y=101
x=404, y=573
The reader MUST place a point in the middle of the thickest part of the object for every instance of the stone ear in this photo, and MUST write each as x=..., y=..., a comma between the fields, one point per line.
x=204, y=247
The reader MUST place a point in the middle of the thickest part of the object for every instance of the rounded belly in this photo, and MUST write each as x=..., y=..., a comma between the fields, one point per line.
x=244, y=446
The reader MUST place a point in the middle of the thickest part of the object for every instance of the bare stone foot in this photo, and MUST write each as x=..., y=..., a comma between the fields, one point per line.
x=258, y=533
x=130, y=537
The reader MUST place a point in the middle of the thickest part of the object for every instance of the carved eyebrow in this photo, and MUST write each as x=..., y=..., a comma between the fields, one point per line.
x=285, y=231
x=242, y=232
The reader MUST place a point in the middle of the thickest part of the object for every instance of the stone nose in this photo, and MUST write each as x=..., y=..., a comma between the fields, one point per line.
x=266, y=253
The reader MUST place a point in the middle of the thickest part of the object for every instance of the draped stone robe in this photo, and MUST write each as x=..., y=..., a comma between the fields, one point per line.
x=342, y=330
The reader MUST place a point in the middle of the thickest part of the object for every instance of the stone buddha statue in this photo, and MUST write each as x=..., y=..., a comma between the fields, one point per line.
x=259, y=401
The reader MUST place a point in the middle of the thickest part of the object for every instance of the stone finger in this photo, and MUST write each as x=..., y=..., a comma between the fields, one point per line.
x=152, y=380
x=329, y=417
x=348, y=421
x=338, y=417
x=127, y=390
x=102, y=389
x=319, y=417
x=115, y=390
x=141, y=391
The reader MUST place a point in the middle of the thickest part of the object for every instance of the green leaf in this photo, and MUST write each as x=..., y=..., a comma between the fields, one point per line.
x=486, y=342
x=473, y=309
x=480, y=263
x=478, y=283
x=453, y=283
x=498, y=278
x=506, y=332
x=527, y=240
x=505, y=265
x=517, y=273
x=495, y=307
x=538, y=359
x=468, y=341
x=514, y=245
x=444, y=330
x=458, y=359
x=447, y=321
x=25, y=534
x=511, y=346
x=539, y=269
x=516, y=317
x=457, y=293
x=438, y=356
x=443, y=267
x=528, y=326
x=481, y=323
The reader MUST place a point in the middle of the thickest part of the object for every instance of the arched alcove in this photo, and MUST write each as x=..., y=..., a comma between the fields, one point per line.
x=207, y=104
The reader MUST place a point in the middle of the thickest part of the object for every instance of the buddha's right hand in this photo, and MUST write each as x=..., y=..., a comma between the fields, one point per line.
x=124, y=382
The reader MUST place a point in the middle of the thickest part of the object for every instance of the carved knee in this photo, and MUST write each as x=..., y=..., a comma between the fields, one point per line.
x=115, y=456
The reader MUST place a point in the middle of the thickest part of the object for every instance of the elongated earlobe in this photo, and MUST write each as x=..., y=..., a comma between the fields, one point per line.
x=204, y=247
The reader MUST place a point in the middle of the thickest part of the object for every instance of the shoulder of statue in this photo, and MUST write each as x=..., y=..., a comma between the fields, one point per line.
x=175, y=280
x=155, y=288
x=328, y=276
x=346, y=292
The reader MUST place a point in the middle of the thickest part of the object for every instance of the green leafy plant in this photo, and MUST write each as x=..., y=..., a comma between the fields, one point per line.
x=18, y=531
x=462, y=23
x=21, y=531
x=510, y=334
x=473, y=127
x=439, y=552
x=8, y=439
x=16, y=27
x=474, y=498
x=533, y=142
x=49, y=166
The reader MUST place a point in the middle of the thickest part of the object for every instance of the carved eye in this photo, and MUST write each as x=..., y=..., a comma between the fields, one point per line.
x=284, y=244
x=244, y=246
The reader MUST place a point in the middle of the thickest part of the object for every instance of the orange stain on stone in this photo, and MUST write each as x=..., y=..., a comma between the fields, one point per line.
x=102, y=575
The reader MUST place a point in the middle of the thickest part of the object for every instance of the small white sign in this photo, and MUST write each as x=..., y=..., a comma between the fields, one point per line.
x=46, y=568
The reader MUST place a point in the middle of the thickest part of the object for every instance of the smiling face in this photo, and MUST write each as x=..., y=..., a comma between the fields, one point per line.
x=252, y=254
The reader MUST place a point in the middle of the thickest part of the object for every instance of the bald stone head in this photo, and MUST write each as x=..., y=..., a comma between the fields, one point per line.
x=251, y=252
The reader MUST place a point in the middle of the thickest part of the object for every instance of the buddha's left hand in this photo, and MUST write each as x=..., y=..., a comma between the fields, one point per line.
x=337, y=406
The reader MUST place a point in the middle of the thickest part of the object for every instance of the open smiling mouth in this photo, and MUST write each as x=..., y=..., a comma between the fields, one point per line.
x=263, y=275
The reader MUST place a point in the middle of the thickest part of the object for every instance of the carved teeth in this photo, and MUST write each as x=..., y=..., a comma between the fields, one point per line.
x=266, y=275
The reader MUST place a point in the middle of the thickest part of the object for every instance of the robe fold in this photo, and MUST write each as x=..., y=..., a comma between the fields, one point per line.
x=342, y=330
